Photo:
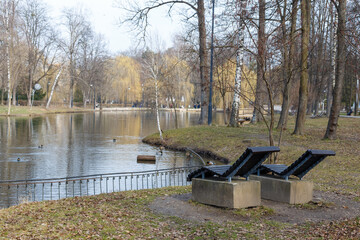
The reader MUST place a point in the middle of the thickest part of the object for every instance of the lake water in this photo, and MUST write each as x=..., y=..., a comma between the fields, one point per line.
x=82, y=144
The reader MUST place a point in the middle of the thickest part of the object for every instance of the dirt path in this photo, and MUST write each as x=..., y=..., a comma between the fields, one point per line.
x=326, y=207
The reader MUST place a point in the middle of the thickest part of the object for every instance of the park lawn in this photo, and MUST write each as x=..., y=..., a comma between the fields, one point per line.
x=339, y=174
x=27, y=111
x=126, y=215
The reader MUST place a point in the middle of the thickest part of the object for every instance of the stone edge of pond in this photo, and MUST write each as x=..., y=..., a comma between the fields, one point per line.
x=204, y=152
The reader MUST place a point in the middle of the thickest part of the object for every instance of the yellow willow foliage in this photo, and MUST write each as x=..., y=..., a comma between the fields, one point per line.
x=126, y=79
x=248, y=86
x=176, y=82
x=224, y=76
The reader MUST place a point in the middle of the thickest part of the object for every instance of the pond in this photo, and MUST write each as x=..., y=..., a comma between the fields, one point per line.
x=65, y=145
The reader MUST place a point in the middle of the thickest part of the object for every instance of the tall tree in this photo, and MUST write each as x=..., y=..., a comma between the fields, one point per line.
x=153, y=64
x=340, y=70
x=139, y=20
x=76, y=27
x=304, y=75
x=239, y=65
x=331, y=78
x=38, y=35
x=260, y=62
x=288, y=65
x=8, y=19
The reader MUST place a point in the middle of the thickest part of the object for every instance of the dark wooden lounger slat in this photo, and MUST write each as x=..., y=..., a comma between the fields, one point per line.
x=300, y=167
x=248, y=162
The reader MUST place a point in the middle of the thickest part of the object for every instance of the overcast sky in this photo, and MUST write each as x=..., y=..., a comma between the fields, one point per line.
x=104, y=17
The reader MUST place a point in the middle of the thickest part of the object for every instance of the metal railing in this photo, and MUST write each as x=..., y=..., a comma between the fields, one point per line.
x=20, y=191
x=193, y=154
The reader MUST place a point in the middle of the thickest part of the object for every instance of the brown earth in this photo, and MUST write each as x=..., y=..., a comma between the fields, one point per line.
x=327, y=206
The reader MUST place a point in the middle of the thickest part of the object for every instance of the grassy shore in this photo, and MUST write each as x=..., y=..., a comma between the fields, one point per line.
x=127, y=215
x=27, y=111
x=340, y=173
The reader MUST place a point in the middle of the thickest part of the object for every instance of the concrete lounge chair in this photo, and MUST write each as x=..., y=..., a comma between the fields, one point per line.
x=248, y=162
x=299, y=168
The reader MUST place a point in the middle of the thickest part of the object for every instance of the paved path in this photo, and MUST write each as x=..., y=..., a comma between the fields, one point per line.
x=349, y=116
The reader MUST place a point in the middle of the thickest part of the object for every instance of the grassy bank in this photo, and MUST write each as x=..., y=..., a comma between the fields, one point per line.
x=340, y=173
x=27, y=111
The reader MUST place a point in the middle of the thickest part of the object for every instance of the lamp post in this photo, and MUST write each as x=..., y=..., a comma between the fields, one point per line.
x=211, y=64
x=36, y=88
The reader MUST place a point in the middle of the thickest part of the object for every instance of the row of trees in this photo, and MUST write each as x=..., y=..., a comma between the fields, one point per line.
x=33, y=51
x=71, y=63
x=305, y=53
x=300, y=54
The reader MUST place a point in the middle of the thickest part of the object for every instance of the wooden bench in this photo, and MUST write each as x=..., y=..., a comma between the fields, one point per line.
x=242, y=120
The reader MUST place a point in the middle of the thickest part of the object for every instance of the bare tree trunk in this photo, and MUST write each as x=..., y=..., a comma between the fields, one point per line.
x=157, y=108
x=304, y=76
x=9, y=76
x=30, y=88
x=319, y=74
x=331, y=80
x=71, y=89
x=239, y=65
x=224, y=110
x=84, y=98
x=260, y=62
x=53, y=88
x=2, y=96
x=356, y=108
x=310, y=64
x=289, y=69
x=203, y=61
x=357, y=96
x=14, y=96
x=340, y=72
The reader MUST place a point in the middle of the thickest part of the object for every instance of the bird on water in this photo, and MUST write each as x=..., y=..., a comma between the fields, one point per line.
x=161, y=150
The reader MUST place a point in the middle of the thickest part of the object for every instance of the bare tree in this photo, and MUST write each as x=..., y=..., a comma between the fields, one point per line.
x=153, y=64
x=239, y=65
x=223, y=78
x=53, y=87
x=288, y=63
x=76, y=26
x=39, y=38
x=8, y=18
x=260, y=61
x=340, y=70
x=304, y=76
x=139, y=19
x=331, y=78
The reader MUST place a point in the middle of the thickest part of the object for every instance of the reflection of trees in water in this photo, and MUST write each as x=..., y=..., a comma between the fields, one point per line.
x=76, y=144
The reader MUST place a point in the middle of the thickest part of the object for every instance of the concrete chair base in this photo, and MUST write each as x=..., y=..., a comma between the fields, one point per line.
x=290, y=191
x=235, y=194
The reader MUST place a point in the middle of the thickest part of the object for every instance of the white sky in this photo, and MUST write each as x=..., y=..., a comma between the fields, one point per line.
x=104, y=17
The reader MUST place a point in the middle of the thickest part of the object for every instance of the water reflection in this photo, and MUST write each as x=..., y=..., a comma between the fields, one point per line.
x=82, y=144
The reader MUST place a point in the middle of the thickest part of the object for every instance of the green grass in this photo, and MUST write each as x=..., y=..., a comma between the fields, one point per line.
x=340, y=173
x=27, y=111
x=314, y=205
x=124, y=215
